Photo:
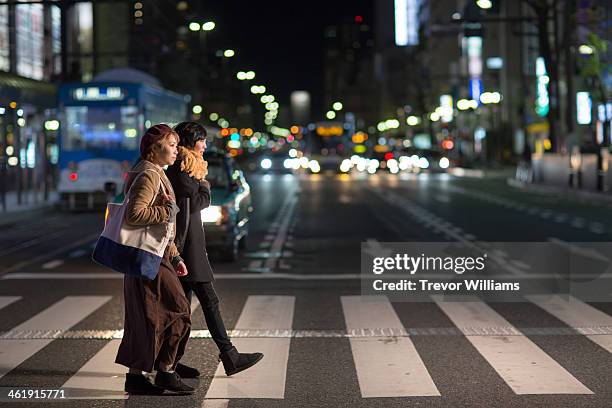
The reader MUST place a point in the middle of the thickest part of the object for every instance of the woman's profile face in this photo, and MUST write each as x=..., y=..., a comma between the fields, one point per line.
x=200, y=146
x=168, y=152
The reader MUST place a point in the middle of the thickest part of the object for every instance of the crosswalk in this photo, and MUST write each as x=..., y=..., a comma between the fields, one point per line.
x=386, y=361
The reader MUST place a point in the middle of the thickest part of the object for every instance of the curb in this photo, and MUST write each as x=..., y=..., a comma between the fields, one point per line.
x=559, y=190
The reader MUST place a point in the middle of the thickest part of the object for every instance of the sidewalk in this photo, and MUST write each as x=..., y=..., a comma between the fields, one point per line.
x=565, y=192
x=32, y=202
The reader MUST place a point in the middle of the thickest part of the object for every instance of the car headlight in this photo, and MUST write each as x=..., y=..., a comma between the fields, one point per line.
x=212, y=214
x=266, y=164
x=444, y=163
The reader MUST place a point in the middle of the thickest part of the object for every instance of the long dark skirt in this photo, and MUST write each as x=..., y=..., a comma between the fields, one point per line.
x=157, y=321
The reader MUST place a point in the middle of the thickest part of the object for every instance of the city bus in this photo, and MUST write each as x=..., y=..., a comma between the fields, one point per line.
x=101, y=124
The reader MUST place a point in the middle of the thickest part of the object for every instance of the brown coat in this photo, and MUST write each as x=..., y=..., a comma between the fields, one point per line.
x=146, y=205
x=157, y=313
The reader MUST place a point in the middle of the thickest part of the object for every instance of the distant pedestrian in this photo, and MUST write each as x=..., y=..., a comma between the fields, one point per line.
x=157, y=314
x=187, y=176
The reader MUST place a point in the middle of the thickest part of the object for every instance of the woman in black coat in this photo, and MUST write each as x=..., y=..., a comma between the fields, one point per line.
x=192, y=191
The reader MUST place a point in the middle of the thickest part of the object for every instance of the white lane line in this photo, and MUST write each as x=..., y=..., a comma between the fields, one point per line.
x=7, y=300
x=53, y=264
x=100, y=377
x=525, y=367
x=576, y=314
x=59, y=316
x=267, y=378
x=386, y=366
x=52, y=253
x=78, y=253
x=281, y=235
x=215, y=403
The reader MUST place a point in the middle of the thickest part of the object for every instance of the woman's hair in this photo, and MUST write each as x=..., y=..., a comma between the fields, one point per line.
x=154, y=148
x=189, y=133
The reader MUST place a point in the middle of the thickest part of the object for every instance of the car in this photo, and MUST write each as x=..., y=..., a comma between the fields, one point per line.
x=226, y=220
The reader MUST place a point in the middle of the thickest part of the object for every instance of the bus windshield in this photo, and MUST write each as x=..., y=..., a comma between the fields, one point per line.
x=95, y=127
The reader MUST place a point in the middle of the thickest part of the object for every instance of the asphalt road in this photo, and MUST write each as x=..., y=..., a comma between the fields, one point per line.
x=294, y=294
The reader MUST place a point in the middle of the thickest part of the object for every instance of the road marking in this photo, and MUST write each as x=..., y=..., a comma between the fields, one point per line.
x=51, y=254
x=576, y=314
x=215, y=403
x=53, y=264
x=77, y=253
x=270, y=275
x=281, y=236
x=331, y=334
x=525, y=367
x=100, y=377
x=7, y=300
x=58, y=317
x=386, y=366
x=267, y=378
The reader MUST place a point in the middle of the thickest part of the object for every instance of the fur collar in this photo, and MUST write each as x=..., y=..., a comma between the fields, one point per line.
x=193, y=163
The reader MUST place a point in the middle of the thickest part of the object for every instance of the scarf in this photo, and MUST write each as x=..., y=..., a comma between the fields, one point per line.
x=192, y=163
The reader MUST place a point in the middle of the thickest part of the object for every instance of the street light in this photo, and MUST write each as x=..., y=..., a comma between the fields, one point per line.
x=229, y=53
x=208, y=26
x=484, y=4
x=241, y=75
x=330, y=114
x=250, y=75
x=337, y=106
x=197, y=109
x=194, y=26
x=585, y=49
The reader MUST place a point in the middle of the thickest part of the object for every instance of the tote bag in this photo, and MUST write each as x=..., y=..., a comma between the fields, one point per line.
x=134, y=250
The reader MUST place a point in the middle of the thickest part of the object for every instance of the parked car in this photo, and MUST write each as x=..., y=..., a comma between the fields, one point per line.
x=226, y=220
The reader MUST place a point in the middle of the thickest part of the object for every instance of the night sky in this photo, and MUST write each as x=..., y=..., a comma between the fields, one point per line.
x=282, y=41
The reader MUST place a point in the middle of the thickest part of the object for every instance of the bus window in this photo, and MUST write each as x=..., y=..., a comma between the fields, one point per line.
x=101, y=127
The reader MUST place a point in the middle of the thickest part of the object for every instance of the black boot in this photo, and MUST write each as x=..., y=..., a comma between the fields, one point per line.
x=235, y=362
x=138, y=384
x=186, y=372
x=172, y=382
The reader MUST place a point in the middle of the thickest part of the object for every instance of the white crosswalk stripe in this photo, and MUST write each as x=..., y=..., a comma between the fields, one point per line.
x=577, y=314
x=385, y=367
x=267, y=378
x=59, y=316
x=7, y=300
x=525, y=367
x=100, y=377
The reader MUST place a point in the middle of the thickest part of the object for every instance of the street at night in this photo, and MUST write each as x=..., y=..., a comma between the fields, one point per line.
x=348, y=203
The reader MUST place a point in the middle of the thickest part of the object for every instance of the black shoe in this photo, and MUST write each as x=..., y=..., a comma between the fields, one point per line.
x=186, y=372
x=138, y=384
x=235, y=362
x=172, y=382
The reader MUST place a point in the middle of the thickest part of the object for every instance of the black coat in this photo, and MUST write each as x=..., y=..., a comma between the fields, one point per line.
x=192, y=197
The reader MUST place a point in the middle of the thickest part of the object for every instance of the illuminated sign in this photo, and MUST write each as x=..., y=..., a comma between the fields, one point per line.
x=476, y=89
x=94, y=93
x=330, y=130
x=542, y=88
x=583, y=108
x=406, y=22
x=446, y=111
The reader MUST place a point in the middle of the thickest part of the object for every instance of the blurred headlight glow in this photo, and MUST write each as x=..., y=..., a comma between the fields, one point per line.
x=211, y=214
x=266, y=164
x=444, y=163
x=423, y=163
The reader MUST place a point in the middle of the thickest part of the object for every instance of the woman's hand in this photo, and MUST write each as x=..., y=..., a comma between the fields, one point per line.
x=181, y=269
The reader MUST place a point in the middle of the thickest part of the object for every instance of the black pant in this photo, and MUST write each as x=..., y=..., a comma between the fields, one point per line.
x=205, y=292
